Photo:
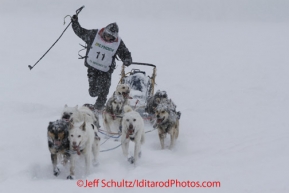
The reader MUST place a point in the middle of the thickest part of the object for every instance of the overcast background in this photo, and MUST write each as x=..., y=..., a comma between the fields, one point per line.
x=223, y=62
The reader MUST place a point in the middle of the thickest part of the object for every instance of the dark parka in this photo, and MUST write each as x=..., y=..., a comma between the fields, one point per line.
x=99, y=81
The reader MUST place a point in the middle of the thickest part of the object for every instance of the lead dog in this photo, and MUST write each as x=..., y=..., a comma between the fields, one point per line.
x=132, y=130
x=58, y=143
x=83, y=141
x=167, y=122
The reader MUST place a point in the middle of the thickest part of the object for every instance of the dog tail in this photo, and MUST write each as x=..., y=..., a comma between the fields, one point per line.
x=127, y=109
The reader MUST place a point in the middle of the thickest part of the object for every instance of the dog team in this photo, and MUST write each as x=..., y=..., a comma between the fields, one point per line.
x=76, y=133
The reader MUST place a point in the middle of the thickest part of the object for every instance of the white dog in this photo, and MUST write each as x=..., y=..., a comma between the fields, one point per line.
x=132, y=130
x=83, y=141
x=79, y=115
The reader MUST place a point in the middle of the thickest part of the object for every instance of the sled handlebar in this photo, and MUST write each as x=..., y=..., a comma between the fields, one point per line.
x=143, y=64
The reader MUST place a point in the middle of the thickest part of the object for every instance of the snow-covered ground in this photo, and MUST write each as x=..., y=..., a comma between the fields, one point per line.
x=224, y=63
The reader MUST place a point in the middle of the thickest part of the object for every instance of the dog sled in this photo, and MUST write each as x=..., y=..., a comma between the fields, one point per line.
x=141, y=87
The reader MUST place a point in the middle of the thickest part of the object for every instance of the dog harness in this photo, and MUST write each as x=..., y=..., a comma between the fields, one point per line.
x=165, y=126
x=101, y=53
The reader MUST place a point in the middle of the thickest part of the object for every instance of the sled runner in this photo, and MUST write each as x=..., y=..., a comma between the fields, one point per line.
x=141, y=87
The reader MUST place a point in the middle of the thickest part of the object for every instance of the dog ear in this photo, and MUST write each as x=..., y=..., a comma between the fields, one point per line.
x=66, y=126
x=108, y=107
x=50, y=126
x=158, y=93
x=163, y=94
x=83, y=126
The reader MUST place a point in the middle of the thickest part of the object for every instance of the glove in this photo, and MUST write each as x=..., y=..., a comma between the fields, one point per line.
x=74, y=18
x=127, y=62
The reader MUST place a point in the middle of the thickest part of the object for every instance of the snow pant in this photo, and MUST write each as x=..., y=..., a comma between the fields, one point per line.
x=99, y=84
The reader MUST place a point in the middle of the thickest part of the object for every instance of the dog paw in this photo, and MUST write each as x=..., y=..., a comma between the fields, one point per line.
x=96, y=136
x=131, y=160
x=56, y=172
x=139, y=154
x=70, y=177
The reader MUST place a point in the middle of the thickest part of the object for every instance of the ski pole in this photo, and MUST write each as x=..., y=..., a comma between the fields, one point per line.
x=77, y=12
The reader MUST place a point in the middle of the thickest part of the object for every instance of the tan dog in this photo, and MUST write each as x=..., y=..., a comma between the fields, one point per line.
x=167, y=122
x=124, y=90
x=111, y=113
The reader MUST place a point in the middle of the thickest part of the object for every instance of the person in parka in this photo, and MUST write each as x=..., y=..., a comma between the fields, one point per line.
x=103, y=46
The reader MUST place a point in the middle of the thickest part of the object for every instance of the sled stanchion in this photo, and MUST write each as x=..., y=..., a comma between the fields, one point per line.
x=77, y=12
x=122, y=74
x=153, y=78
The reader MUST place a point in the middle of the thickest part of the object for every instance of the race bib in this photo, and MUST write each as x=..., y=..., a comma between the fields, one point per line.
x=101, y=53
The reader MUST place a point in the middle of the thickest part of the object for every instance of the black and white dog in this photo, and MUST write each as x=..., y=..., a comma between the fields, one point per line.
x=158, y=98
x=153, y=101
x=58, y=143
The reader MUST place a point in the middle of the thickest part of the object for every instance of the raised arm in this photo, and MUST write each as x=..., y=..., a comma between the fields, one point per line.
x=84, y=34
